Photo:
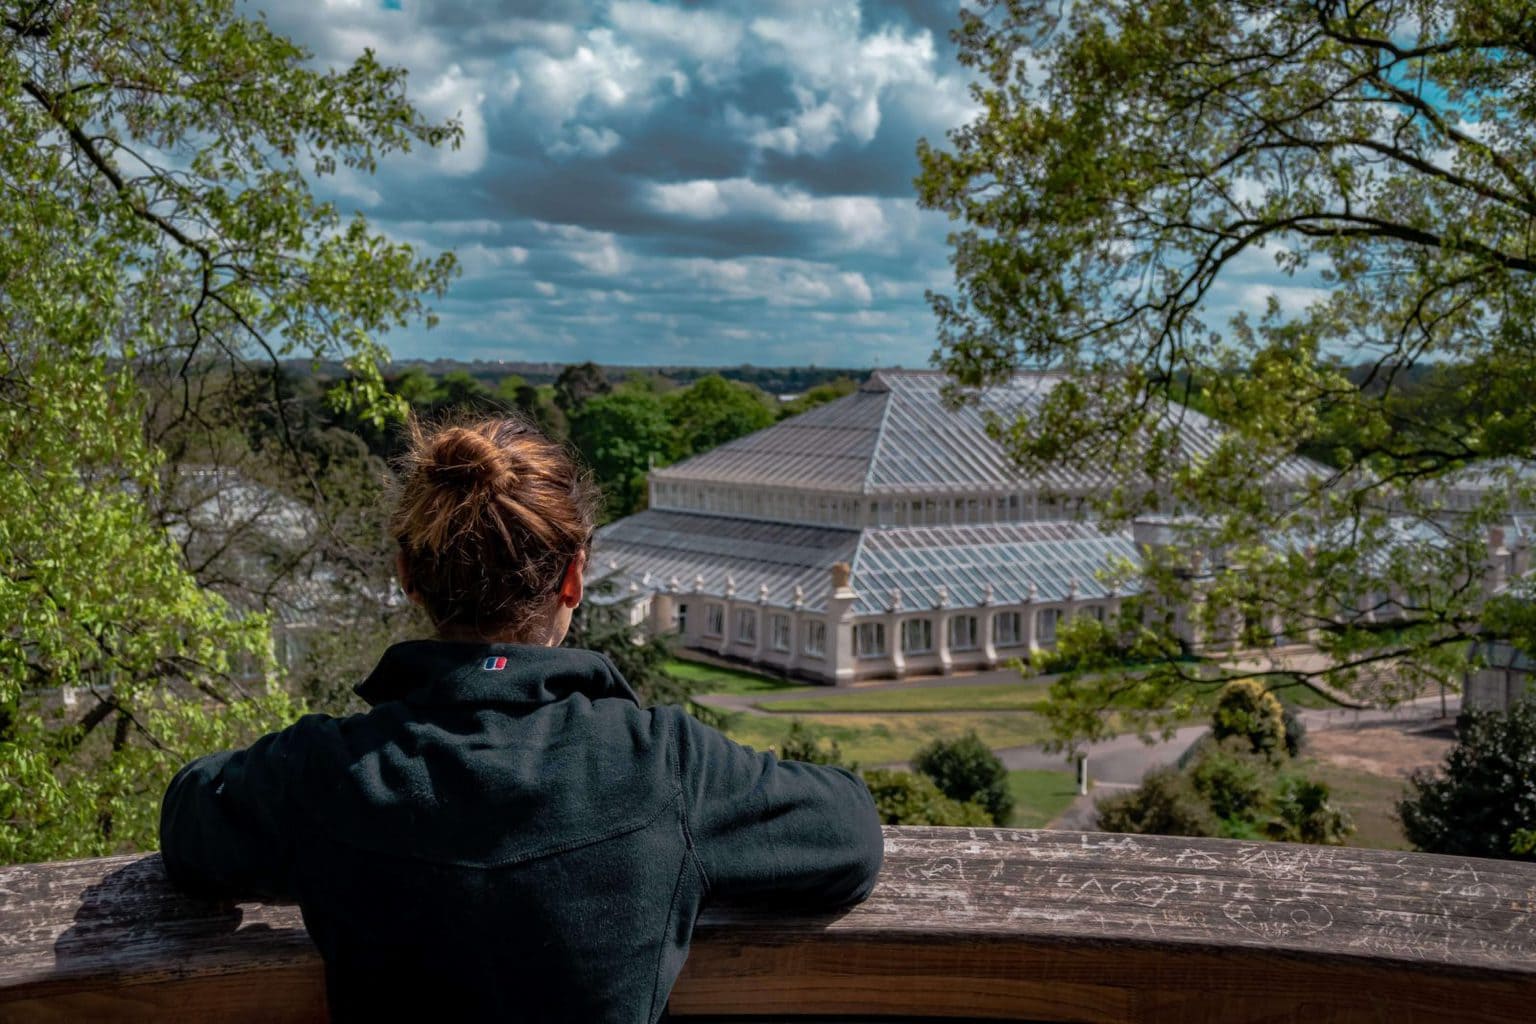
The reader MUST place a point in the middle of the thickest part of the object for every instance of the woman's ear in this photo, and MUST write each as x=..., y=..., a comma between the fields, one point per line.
x=403, y=572
x=571, y=586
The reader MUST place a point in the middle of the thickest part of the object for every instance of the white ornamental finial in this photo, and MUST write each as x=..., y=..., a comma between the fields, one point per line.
x=1072, y=588
x=1034, y=591
x=943, y=597
x=674, y=585
x=698, y=583
x=762, y=594
x=730, y=585
x=895, y=603
x=986, y=592
x=799, y=595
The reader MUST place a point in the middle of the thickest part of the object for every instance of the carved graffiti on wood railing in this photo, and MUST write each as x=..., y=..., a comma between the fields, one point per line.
x=988, y=923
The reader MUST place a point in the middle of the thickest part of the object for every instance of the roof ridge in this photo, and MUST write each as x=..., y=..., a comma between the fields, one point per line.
x=858, y=549
x=874, y=449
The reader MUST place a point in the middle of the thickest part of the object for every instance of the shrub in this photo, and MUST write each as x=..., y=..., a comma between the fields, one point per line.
x=966, y=770
x=909, y=798
x=1295, y=733
x=1304, y=812
x=802, y=744
x=1165, y=804
x=1245, y=708
x=1484, y=796
x=1231, y=779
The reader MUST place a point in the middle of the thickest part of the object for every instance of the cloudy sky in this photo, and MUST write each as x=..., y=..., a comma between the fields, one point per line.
x=653, y=182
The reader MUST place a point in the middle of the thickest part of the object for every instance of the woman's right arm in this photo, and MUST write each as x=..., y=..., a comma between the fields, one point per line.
x=225, y=826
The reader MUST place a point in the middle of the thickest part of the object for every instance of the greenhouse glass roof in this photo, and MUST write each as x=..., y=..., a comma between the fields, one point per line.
x=928, y=565
x=896, y=436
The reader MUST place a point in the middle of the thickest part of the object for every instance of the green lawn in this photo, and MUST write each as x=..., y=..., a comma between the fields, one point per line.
x=715, y=679
x=872, y=740
x=1020, y=696
x=1039, y=796
x=1370, y=799
x=1302, y=696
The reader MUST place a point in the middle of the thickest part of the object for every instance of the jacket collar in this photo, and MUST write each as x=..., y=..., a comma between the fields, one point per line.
x=442, y=672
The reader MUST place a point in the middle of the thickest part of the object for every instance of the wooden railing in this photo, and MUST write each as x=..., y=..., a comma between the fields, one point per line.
x=994, y=924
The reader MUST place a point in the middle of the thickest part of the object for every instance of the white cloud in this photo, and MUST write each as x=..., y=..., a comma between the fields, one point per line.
x=585, y=141
x=778, y=282
x=602, y=72
x=701, y=34
x=597, y=252
x=600, y=94
x=478, y=260
x=456, y=94
x=839, y=74
x=857, y=220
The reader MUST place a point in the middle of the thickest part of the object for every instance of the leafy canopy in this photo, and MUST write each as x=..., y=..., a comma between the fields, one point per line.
x=155, y=208
x=1133, y=161
x=967, y=771
x=1482, y=800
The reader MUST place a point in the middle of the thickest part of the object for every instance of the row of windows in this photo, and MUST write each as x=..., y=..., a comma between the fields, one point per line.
x=813, y=632
x=869, y=639
x=963, y=632
x=794, y=506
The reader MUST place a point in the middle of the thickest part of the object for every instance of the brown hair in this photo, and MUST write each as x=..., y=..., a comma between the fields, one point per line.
x=490, y=514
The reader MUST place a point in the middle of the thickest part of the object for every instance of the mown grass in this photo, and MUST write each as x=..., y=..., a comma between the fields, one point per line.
x=1020, y=696
x=717, y=679
x=1370, y=799
x=872, y=740
x=1039, y=797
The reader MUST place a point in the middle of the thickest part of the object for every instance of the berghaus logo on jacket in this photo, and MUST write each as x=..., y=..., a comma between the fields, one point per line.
x=494, y=664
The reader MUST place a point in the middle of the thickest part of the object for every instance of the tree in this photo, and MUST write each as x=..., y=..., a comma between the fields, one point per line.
x=821, y=394
x=1130, y=162
x=621, y=436
x=416, y=387
x=1246, y=710
x=912, y=798
x=578, y=384
x=640, y=656
x=1227, y=789
x=801, y=744
x=461, y=390
x=712, y=411
x=1482, y=801
x=967, y=771
x=1165, y=804
x=154, y=168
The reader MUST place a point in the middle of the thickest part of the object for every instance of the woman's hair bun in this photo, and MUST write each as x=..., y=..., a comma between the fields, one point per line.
x=490, y=516
x=465, y=457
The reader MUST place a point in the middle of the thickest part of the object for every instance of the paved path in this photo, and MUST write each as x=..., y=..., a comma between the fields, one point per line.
x=1120, y=762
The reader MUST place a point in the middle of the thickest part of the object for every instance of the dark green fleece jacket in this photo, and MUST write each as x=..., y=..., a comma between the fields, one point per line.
x=509, y=836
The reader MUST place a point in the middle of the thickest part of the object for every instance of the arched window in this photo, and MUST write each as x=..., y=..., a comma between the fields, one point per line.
x=869, y=640
x=1045, y=625
x=917, y=636
x=962, y=633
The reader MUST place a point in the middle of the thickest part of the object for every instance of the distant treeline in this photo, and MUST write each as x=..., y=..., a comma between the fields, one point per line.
x=623, y=421
x=775, y=380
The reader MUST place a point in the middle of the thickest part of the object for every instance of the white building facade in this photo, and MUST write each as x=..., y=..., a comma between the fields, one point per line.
x=880, y=535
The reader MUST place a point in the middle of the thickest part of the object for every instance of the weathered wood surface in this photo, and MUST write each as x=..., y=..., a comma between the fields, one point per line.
x=980, y=924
